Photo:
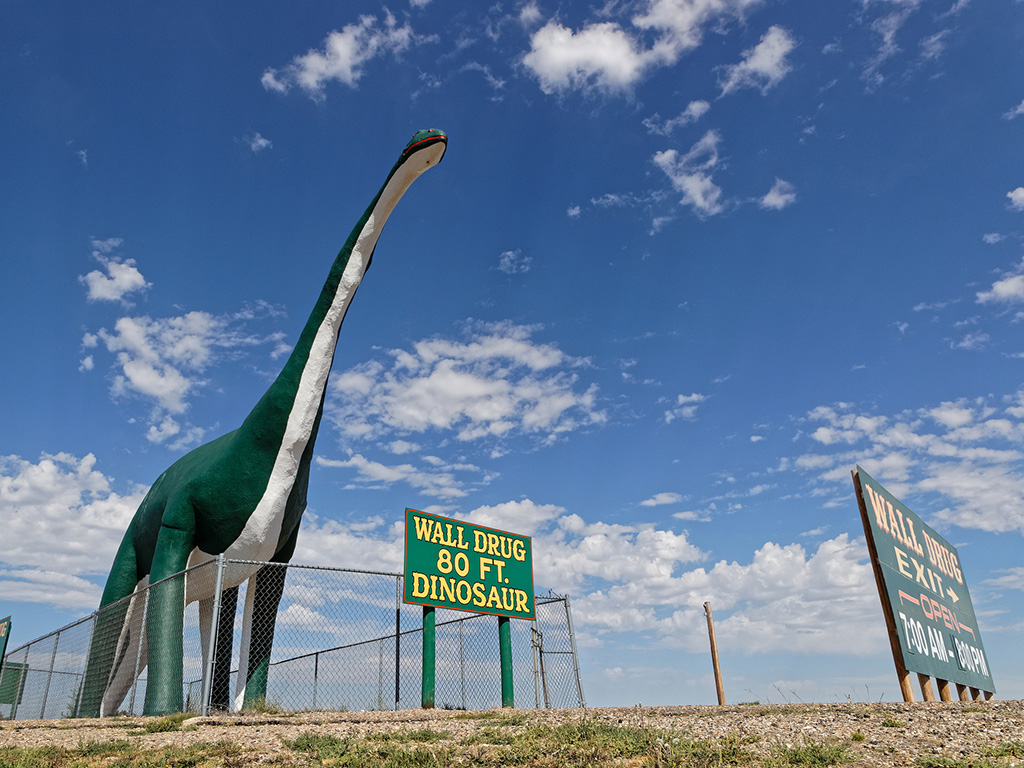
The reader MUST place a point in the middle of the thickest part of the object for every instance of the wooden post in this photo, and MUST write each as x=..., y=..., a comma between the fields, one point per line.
x=944, y=693
x=961, y=692
x=975, y=694
x=926, y=687
x=714, y=654
x=902, y=675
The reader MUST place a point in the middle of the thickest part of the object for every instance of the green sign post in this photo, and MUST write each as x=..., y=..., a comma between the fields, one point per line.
x=453, y=564
x=933, y=629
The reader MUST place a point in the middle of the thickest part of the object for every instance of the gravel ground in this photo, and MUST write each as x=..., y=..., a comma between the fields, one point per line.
x=893, y=734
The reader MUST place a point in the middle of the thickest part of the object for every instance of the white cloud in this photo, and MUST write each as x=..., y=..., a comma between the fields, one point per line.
x=492, y=80
x=1012, y=578
x=497, y=385
x=967, y=452
x=971, y=342
x=530, y=15
x=933, y=47
x=606, y=57
x=887, y=27
x=659, y=499
x=399, y=447
x=513, y=262
x=781, y=195
x=685, y=407
x=121, y=278
x=1015, y=112
x=573, y=212
x=437, y=480
x=1006, y=291
x=37, y=501
x=600, y=56
x=161, y=361
x=993, y=237
x=680, y=24
x=342, y=57
x=783, y=600
x=1016, y=199
x=763, y=66
x=691, y=174
x=376, y=548
x=693, y=112
x=257, y=143
x=155, y=356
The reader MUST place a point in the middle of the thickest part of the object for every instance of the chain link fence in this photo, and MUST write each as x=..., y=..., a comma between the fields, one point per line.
x=315, y=639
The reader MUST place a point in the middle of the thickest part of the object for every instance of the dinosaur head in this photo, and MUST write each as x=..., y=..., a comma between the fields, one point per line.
x=426, y=148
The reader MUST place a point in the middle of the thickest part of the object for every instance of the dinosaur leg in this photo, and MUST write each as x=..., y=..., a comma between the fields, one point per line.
x=261, y=602
x=108, y=630
x=263, y=596
x=130, y=658
x=165, y=618
x=220, y=694
x=243, y=646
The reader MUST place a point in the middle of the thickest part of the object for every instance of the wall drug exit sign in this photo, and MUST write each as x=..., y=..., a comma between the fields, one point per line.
x=453, y=564
x=926, y=590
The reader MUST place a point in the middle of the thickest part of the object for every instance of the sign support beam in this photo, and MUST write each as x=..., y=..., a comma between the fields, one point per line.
x=926, y=687
x=902, y=675
x=427, y=688
x=505, y=653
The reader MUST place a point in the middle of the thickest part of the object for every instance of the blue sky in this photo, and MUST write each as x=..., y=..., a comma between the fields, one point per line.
x=685, y=263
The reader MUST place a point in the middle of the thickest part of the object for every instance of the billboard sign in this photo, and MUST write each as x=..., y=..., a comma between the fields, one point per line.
x=453, y=564
x=5, y=632
x=924, y=583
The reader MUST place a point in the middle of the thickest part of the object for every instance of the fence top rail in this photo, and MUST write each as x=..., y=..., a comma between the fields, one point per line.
x=313, y=567
x=47, y=636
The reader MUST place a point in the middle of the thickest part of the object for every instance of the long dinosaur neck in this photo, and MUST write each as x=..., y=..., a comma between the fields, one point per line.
x=289, y=413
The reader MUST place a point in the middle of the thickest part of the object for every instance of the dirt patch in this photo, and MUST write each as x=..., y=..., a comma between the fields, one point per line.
x=874, y=734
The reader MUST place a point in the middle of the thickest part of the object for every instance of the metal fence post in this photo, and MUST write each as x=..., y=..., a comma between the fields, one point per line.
x=536, y=665
x=462, y=665
x=398, y=637
x=316, y=675
x=380, y=673
x=211, y=649
x=575, y=657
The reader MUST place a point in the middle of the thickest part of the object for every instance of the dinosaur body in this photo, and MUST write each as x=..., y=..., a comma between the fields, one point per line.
x=242, y=494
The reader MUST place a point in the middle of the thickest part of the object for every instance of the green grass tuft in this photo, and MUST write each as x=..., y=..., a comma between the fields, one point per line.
x=812, y=754
x=168, y=723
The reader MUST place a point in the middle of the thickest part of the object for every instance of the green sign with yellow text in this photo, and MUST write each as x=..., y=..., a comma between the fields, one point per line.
x=926, y=590
x=453, y=564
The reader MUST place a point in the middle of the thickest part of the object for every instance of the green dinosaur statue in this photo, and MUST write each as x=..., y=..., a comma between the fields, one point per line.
x=242, y=494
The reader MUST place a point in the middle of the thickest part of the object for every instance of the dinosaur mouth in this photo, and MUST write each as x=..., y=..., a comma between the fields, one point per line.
x=424, y=139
